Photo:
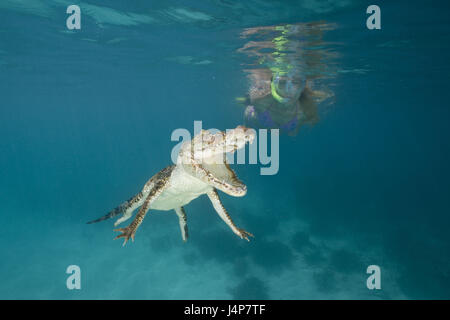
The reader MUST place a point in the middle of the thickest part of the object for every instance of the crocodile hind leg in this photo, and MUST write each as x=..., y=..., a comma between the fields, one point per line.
x=132, y=205
x=129, y=232
x=220, y=209
x=159, y=183
x=183, y=224
x=136, y=202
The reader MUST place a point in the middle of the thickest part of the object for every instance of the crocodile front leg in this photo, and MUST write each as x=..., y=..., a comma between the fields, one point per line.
x=220, y=209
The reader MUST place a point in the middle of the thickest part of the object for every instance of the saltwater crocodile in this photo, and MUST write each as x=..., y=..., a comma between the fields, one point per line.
x=201, y=168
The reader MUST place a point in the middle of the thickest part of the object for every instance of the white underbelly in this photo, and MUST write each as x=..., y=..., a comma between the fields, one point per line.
x=181, y=190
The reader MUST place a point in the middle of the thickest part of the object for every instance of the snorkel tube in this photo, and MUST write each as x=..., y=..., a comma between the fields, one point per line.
x=275, y=94
x=293, y=92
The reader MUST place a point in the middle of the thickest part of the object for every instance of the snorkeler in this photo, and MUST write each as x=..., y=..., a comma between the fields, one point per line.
x=281, y=91
x=280, y=102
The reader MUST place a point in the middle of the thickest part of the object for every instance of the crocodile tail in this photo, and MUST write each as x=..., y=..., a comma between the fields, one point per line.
x=120, y=209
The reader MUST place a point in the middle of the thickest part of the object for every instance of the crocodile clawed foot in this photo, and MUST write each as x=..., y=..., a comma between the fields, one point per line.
x=244, y=234
x=126, y=233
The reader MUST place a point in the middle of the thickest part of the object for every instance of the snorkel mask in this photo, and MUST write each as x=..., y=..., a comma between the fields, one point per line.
x=285, y=89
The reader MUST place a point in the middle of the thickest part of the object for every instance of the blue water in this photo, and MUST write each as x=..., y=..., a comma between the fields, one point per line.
x=86, y=118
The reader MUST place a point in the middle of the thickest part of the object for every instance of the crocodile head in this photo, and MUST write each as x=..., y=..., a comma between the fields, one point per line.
x=204, y=157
